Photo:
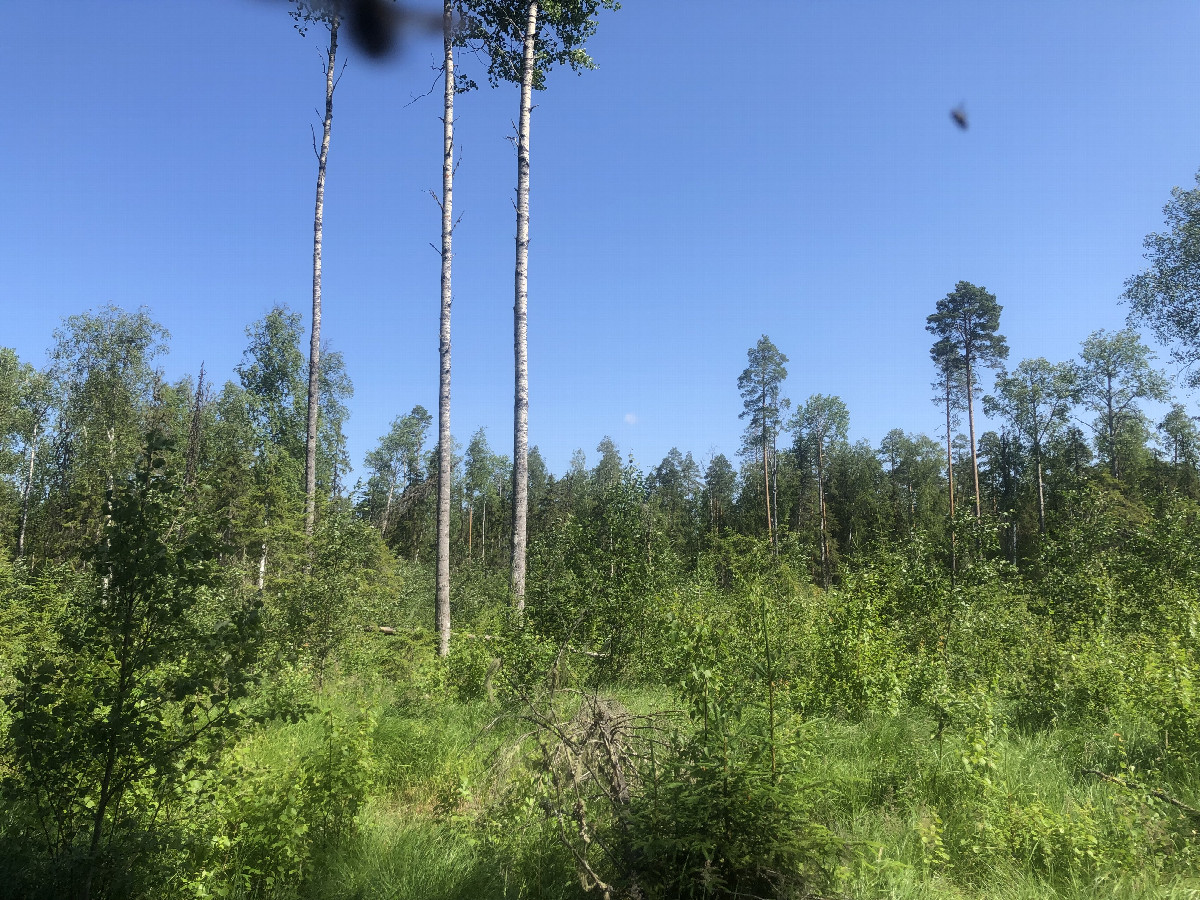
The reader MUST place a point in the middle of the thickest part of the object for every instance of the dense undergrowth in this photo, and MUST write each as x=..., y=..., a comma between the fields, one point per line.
x=646, y=730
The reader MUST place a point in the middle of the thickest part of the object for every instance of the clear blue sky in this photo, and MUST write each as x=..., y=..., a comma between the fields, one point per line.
x=785, y=167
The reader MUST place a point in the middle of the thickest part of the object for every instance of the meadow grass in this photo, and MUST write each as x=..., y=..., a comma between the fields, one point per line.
x=923, y=814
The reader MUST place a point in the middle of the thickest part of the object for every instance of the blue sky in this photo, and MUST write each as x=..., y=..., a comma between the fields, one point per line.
x=792, y=172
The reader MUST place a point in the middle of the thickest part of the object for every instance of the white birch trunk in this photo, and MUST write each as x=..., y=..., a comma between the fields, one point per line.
x=314, y=347
x=28, y=489
x=442, y=578
x=520, y=510
x=387, y=510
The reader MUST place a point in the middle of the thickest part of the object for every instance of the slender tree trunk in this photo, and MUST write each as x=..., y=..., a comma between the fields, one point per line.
x=470, y=531
x=520, y=509
x=387, y=510
x=774, y=493
x=766, y=469
x=767, y=493
x=821, y=508
x=950, y=481
x=314, y=347
x=28, y=489
x=1110, y=422
x=1037, y=452
x=262, y=566
x=974, y=454
x=949, y=453
x=442, y=577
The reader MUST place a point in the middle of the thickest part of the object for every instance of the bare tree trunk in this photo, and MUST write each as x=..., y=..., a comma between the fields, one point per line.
x=387, y=510
x=949, y=453
x=28, y=489
x=766, y=470
x=821, y=505
x=262, y=566
x=1037, y=452
x=1110, y=422
x=974, y=454
x=950, y=481
x=767, y=494
x=520, y=510
x=774, y=493
x=314, y=347
x=442, y=577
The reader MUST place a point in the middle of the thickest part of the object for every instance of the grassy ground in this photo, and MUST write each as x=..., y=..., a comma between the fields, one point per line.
x=994, y=814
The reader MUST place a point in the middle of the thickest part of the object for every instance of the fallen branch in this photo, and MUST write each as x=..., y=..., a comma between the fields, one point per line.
x=1153, y=792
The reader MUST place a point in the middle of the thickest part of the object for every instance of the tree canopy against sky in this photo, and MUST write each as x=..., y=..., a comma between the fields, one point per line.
x=1114, y=379
x=763, y=405
x=866, y=174
x=1166, y=296
x=1035, y=399
x=966, y=324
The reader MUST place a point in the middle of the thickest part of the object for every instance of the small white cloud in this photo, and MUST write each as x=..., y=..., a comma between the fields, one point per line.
x=630, y=419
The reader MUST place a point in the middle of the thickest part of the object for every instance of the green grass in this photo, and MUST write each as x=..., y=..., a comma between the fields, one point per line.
x=989, y=814
x=919, y=822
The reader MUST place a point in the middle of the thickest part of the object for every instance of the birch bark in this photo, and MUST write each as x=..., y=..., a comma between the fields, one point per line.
x=520, y=507
x=314, y=348
x=25, y=493
x=442, y=589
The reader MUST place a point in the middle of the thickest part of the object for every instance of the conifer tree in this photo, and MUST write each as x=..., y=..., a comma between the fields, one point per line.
x=760, y=384
x=967, y=320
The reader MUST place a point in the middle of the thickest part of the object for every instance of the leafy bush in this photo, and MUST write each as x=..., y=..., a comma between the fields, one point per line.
x=277, y=810
x=145, y=676
x=726, y=811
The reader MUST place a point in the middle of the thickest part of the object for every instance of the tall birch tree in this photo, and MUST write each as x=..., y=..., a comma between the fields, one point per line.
x=304, y=13
x=442, y=552
x=33, y=414
x=1035, y=398
x=1166, y=296
x=523, y=40
x=1114, y=373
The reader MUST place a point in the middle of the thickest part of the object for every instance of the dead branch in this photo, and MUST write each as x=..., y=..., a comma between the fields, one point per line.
x=1131, y=785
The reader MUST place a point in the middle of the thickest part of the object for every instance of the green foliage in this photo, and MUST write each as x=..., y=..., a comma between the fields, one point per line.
x=149, y=660
x=967, y=319
x=276, y=813
x=317, y=612
x=968, y=709
x=591, y=575
x=1114, y=375
x=498, y=27
x=727, y=809
x=1167, y=295
x=759, y=385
